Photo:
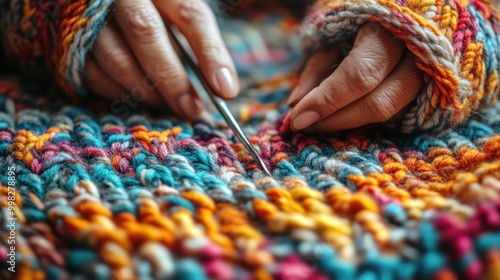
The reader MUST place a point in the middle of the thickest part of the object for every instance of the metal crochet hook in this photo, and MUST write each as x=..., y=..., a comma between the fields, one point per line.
x=218, y=102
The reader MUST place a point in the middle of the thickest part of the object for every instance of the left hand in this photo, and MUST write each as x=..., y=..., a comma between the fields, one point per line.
x=375, y=81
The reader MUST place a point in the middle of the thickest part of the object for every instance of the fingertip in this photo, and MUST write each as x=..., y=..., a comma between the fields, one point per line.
x=304, y=119
x=226, y=83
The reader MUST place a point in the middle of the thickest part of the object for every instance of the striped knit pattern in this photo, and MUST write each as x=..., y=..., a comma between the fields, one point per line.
x=54, y=34
x=456, y=42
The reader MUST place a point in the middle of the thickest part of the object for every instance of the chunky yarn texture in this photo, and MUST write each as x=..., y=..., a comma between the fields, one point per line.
x=55, y=34
x=456, y=43
x=139, y=199
x=99, y=194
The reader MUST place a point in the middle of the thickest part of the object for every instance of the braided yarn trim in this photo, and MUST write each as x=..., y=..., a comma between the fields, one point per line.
x=457, y=48
x=56, y=35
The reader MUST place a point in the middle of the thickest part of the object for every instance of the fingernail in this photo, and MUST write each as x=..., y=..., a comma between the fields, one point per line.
x=225, y=83
x=305, y=119
x=293, y=96
x=191, y=105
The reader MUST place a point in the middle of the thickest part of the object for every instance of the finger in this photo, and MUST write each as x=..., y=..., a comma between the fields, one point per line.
x=318, y=68
x=397, y=91
x=99, y=82
x=196, y=21
x=375, y=53
x=115, y=58
x=146, y=35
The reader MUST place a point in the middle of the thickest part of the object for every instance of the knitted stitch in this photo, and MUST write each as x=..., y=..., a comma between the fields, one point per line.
x=150, y=197
x=456, y=43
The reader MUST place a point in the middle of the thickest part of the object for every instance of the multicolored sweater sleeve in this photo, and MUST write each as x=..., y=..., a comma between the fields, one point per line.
x=54, y=34
x=456, y=43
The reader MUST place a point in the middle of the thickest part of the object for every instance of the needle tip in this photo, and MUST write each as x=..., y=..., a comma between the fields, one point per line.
x=264, y=168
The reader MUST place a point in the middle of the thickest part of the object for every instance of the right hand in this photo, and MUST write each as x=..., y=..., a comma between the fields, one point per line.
x=133, y=54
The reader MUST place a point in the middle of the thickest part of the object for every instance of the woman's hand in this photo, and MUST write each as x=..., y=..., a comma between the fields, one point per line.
x=375, y=81
x=133, y=54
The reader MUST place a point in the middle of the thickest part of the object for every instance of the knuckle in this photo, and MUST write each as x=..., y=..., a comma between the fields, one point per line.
x=119, y=61
x=366, y=75
x=173, y=73
x=380, y=108
x=143, y=21
x=193, y=11
x=212, y=51
x=330, y=101
x=175, y=80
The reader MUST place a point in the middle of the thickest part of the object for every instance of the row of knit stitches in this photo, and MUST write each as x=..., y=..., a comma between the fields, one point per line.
x=456, y=47
x=77, y=27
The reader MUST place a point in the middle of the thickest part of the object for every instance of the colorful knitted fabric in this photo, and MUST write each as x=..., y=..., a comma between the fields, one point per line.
x=86, y=194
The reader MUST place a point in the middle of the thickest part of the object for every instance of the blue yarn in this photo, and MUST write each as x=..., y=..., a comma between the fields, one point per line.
x=179, y=201
x=88, y=133
x=78, y=258
x=31, y=182
x=281, y=249
x=113, y=138
x=248, y=194
x=65, y=175
x=189, y=269
x=325, y=185
x=144, y=270
x=154, y=173
x=339, y=270
x=423, y=142
x=349, y=171
x=138, y=120
x=405, y=270
x=429, y=237
x=465, y=262
x=286, y=169
x=221, y=194
x=187, y=131
x=123, y=207
x=475, y=130
x=6, y=122
x=35, y=121
x=59, y=137
x=367, y=275
x=429, y=264
x=395, y=213
x=53, y=272
x=98, y=271
x=104, y=176
x=487, y=242
x=384, y=267
x=199, y=159
x=34, y=215
x=278, y=95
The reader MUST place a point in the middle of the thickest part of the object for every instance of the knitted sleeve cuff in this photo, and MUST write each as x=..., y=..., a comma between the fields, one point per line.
x=456, y=44
x=54, y=34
